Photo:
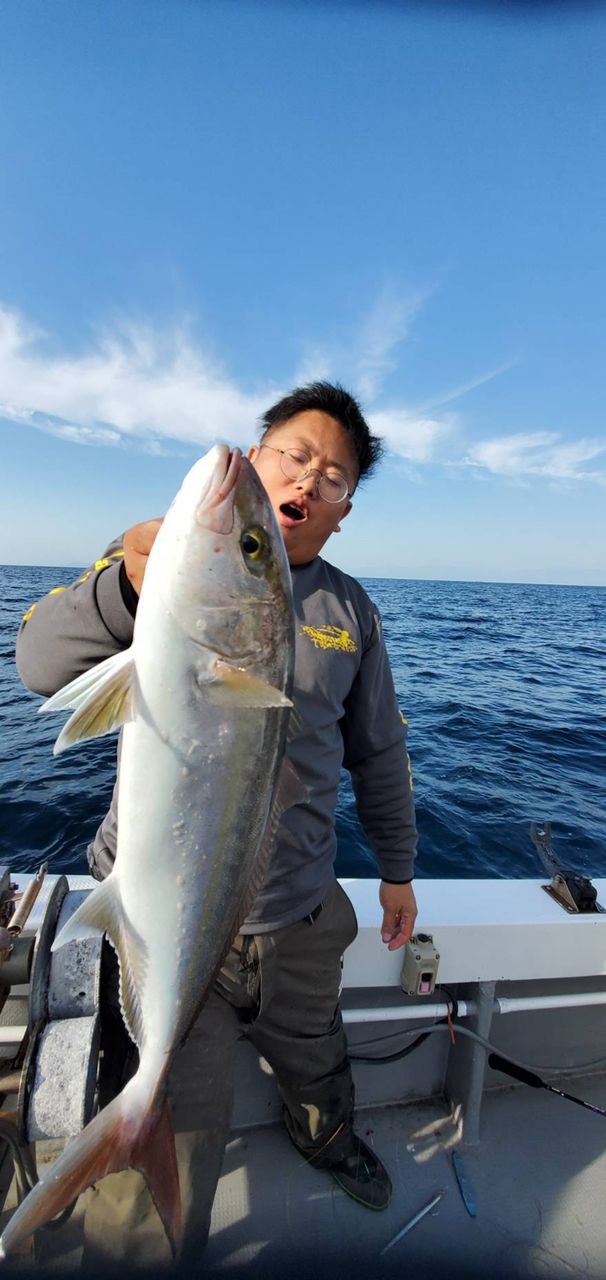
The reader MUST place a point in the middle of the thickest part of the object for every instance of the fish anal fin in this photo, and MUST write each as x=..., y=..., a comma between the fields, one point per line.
x=132, y=959
x=102, y=912
x=99, y=913
x=237, y=687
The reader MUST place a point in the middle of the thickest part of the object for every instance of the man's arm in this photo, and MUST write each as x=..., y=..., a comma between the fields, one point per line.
x=374, y=736
x=73, y=628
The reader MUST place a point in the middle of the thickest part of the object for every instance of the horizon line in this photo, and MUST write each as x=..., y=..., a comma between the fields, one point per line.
x=372, y=577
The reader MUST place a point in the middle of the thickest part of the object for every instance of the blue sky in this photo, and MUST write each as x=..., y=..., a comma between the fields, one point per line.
x=205, y=203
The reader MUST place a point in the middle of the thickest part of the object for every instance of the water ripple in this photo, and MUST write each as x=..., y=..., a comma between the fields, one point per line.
x=504, y=690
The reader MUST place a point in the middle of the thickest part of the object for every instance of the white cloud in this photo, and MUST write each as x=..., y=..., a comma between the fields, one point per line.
x=316, y=365
x=58, y=427
x=455, y=393
x=371, y=353
x=419, y=439
x=387, y=327
x=135, y=382
x=538, y=453
x=162, y=389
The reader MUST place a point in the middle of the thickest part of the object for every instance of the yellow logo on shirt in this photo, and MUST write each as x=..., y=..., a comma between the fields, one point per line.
x=330, y=638
x=98, y=566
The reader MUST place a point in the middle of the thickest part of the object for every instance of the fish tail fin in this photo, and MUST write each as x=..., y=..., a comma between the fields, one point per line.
x=132, y=1131
x=155, y=1156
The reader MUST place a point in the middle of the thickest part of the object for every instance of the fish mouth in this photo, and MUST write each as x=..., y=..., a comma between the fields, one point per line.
x=215, y=511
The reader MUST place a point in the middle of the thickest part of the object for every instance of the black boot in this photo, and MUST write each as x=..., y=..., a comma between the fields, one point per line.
x=354, y=1166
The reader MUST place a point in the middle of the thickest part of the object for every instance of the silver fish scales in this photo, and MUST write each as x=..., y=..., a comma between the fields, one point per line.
x=203, y=696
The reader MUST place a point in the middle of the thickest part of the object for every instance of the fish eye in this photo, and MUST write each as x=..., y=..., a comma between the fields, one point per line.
x=254, y=544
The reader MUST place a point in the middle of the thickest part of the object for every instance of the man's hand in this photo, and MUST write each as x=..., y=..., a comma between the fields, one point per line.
x=399, y=914
x=138, y=543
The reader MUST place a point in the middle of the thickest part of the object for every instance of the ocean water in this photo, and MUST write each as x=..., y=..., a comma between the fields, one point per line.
x=504, y=689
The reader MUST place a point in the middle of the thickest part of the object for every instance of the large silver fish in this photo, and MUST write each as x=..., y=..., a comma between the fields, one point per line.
x=204, y=697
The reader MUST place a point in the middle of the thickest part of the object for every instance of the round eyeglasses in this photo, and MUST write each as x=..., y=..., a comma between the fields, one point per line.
x=294, y=464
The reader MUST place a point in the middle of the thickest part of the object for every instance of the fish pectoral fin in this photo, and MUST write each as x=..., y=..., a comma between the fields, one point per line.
x=237, y=687
x=103, y=700
x=102, y=912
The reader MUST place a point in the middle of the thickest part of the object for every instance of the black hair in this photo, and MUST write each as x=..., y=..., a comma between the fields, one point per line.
x=337, y=403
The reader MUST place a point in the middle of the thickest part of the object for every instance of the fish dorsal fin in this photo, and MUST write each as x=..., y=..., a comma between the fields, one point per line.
x=296, y=723
x=237, y=687
x=102, y=912
x=103, y=700
x=289, y=791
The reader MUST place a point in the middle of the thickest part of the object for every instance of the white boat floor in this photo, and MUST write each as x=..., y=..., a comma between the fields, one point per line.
x=539, y=1176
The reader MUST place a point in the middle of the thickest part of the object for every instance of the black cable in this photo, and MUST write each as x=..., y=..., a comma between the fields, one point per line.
x=26, y=1175
x=403, y=1053
x=495, y=1060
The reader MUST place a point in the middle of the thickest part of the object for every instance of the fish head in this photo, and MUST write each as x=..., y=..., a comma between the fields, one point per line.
x=225, y=571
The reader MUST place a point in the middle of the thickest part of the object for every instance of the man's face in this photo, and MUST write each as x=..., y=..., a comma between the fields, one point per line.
x=306, y=520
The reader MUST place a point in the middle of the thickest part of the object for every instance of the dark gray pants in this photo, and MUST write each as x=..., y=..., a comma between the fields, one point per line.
x=280, y=990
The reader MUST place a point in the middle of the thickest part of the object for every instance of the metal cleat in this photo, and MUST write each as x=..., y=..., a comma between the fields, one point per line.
x=572, y=891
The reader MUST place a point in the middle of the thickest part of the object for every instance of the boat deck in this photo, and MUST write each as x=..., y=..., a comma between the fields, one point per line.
x=532, y=980
x=539, y=1177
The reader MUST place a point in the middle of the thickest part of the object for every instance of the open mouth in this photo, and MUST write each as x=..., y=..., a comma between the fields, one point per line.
x=292, y=512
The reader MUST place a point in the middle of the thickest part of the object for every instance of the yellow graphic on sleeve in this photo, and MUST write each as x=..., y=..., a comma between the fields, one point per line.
x=330, y=638
x=55, y=592
x=408, y=764
x=99, y=564
x=104, y=563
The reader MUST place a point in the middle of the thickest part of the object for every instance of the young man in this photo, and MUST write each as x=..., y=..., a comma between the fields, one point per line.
x=280, y=983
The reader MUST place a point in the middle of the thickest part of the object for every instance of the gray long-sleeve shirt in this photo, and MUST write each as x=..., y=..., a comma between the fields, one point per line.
x=348, y=713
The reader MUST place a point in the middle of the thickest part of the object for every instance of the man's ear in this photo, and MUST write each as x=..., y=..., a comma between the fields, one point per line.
x=252, y=452
x=344, y=513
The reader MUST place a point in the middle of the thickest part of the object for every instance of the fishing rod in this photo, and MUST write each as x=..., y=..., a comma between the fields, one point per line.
x=531, y=1078
x=523, y=1074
